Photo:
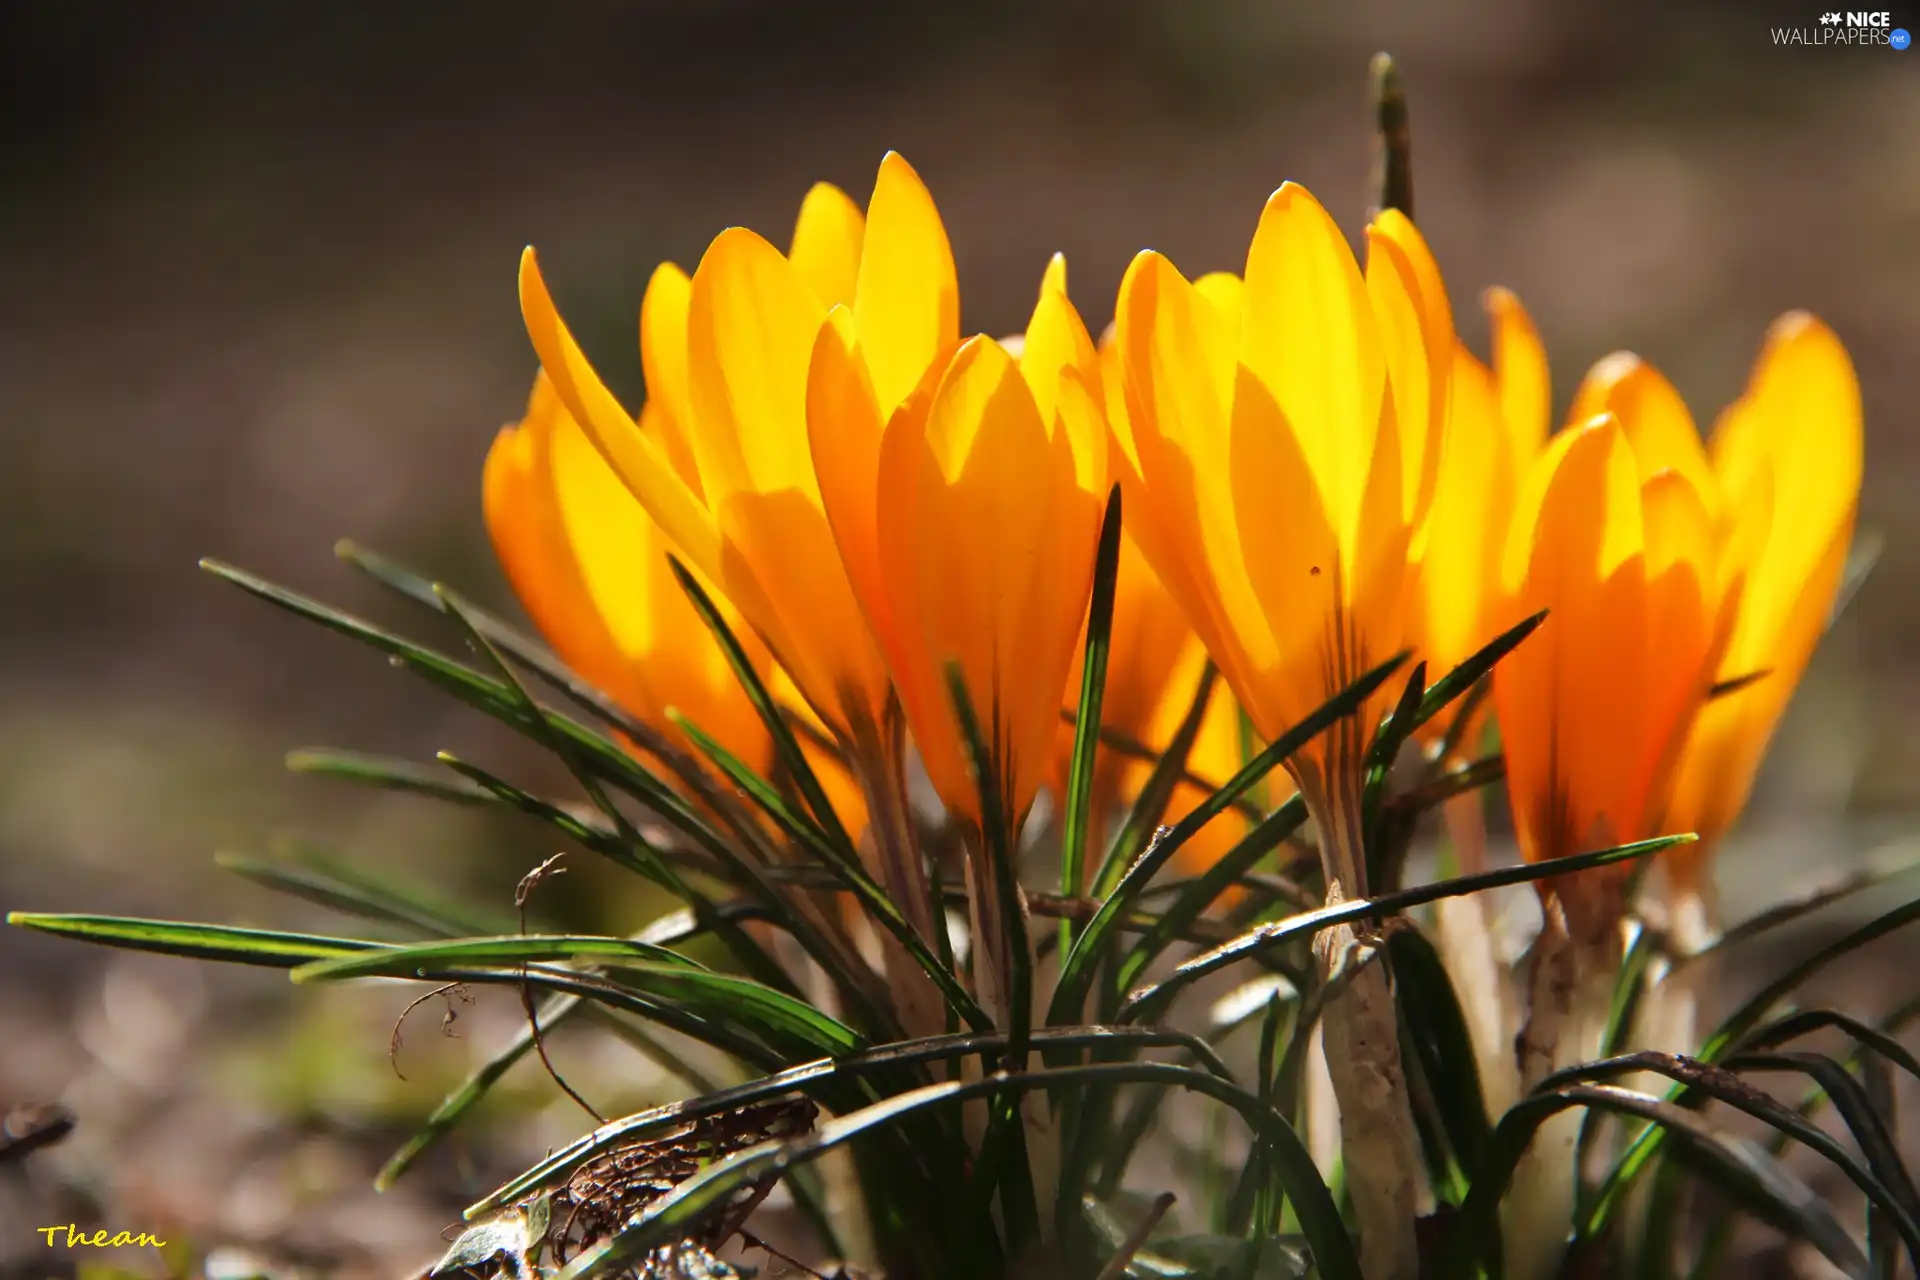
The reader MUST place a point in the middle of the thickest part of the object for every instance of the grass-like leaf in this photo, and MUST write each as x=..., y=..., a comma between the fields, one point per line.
x=1641, y=1152
x=1078, y=805
x=306, y=872
x=1148, y=1002
x=1881, y=1178
x=1185, y=910
x=1440, y=1041
x=384, y=772
x=1150, y=802
x=1739, y=1168
x=266, y=947
x=1007, y=957
x=516, y=948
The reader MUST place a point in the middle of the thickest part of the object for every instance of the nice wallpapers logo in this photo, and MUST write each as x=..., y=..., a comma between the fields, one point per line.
x=1850, y=30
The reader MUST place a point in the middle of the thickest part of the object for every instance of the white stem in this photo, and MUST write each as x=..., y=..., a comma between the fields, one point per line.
x=1570, y=995
x=1380, y=1149
x=1465, y=939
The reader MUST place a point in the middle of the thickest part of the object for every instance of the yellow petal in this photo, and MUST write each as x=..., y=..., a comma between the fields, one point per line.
x=826, y=244
x=1056, y=340
x=663, y=358
x=1467, y=525
x=751, y=324
x=1176, y=352
x=1654, y=418
x=1680, y=618
x=1799, y=423
x=1308, y=334
x=592, y=571
x=1520, y=369
x=641, y=463
x=1416, y=329
x=907, y=302
x=1788, y=457
x=1296, y=572
x=845, y=428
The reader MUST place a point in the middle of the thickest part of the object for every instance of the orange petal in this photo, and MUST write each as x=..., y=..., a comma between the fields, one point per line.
x=1654, y=417
x=1520, y=369
x=907, y=301
x=641, y=462
x=826, y=244
x=1416, y=328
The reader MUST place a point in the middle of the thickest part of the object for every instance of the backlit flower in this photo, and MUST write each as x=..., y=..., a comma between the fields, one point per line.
x=726, y=355
x=967, y=514
x=590, y=568
x=1594, y=707
x=1788, y=450
x=1281, y=442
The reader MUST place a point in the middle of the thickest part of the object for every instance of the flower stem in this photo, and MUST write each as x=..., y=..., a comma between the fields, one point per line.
x=1380, y=1148
x=1571, y=973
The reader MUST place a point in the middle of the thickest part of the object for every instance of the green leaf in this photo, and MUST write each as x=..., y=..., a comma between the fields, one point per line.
x=1736, y=1027
x=1392, y=179
x=265, y=947
x=1076, y=974
x=384, y=771
x=539, y=659
x=1891, y=1196
x=689, y=1201
x=1147, y=1002
x=1723, y=1085
x=1193, y=902
x=493, y=697
x=1719, y=1232
x=516, y=948
x=1078, y=805
x=722, y=998
x=1737, y=1167
x=1443, y=692
x=1807, y=1022
x=1786, y=913
x=1440, y=1041
x=1150, y=805
x=309, y=873
x=786, y=747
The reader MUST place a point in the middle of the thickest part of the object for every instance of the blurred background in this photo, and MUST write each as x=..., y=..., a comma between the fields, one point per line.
x=258, y=266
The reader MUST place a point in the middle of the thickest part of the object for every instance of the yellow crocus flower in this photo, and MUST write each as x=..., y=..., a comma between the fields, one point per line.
x=1789, y=453
x=590, y=568
x=1594, y=707
x=1273, y=478
x=969, y=514
x=726, y=354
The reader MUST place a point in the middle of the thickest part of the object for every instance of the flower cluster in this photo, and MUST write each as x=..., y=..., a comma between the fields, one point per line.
x=1316, y=476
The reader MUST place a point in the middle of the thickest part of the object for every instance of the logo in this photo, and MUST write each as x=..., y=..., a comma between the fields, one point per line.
x=1849, y=29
